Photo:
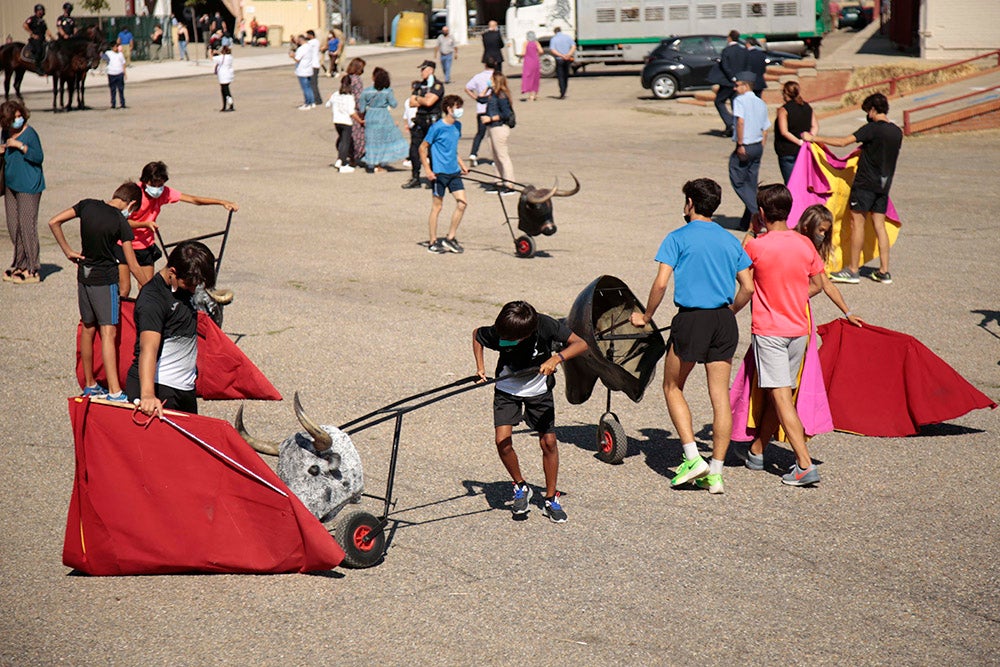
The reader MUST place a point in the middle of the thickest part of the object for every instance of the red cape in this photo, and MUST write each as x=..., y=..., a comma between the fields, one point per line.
x=224, y=372
x=153, y=501
x=907, y=385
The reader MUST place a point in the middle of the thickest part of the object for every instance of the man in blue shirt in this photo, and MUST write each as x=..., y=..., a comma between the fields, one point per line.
x=749, y=133
x=440, y=148
x=125, y=38
x=708, y=262
x=562, y=47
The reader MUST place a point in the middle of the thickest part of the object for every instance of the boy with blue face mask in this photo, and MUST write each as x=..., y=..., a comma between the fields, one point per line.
x=526, y=339
x=440, y=149
x=103, y=226
x=155, y=195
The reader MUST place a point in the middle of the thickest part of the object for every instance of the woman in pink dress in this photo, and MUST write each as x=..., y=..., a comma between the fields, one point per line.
x=531, y=73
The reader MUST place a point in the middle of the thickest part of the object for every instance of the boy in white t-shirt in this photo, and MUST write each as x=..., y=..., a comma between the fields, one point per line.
x=116, y=73
x=223, y=60
x=344, y=114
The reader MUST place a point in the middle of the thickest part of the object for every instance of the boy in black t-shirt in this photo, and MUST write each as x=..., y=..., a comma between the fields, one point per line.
x=102, y=226
x=880, y=142
x=525, y=339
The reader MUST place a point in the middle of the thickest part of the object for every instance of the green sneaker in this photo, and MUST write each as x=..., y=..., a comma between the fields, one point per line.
x=711, y=482
x=688, y=470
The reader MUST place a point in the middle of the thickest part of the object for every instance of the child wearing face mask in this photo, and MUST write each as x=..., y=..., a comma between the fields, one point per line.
x=155, y=195
x=440, y=148
x=103, y=225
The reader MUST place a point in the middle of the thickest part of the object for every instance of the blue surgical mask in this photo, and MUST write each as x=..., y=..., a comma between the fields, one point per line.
x=457, y=113
x=430, y=80
x=18, y=123
x=154, y=192
x=126, y=212
x=508, y=343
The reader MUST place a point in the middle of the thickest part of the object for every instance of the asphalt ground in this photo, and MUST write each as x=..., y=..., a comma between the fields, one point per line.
x=891, y=559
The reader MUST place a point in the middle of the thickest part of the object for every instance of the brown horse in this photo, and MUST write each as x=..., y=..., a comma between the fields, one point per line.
x=10, y=61
x=66, y=61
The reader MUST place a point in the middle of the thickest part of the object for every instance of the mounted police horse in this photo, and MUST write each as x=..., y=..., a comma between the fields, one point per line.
x=10, y=61
x=66, y=61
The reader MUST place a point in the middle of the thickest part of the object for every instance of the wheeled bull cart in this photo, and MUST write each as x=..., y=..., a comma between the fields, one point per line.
x=621, y=356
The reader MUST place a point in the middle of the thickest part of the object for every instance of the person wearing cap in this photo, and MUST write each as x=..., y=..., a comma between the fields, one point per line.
x=446, y=50
x=426, y=99
x=732, y=60
x=66, y=24
x=750, y=124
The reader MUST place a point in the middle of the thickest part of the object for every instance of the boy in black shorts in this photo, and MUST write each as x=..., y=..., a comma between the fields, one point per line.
x=166, y=325
x=525, y=339
x=880, y=141
x=102, y=226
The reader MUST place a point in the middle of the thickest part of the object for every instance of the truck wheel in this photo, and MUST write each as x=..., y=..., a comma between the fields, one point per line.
x=612, y=443
x=524, y=246
x=664, y=87
x=547, y=65
x=361, y=537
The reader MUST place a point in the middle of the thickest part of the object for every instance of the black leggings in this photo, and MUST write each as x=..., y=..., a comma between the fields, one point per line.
x=344, y=143
x=225, y=94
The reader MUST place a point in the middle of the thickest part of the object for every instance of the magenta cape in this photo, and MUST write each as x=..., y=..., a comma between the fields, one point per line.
x=151, y=500
x=885, y=383
x=224, y=372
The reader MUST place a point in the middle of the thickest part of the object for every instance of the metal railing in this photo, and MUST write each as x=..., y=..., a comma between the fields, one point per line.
x=910, y=127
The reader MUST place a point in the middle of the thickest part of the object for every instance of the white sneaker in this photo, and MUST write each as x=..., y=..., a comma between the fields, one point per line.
x=338, y=164
x=346, y=169
x=407, y=164
x=305, y=107
x=473, y=160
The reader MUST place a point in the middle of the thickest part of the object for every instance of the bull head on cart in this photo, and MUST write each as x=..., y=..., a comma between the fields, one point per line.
x=320, y=464
x=534, y=208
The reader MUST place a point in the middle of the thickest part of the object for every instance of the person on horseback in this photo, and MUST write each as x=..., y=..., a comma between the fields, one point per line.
x=38, y=32
x=66, y=24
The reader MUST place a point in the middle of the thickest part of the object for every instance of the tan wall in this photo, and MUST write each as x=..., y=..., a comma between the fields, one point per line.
x=957, y=29
x=14, y=12
x=294, y=16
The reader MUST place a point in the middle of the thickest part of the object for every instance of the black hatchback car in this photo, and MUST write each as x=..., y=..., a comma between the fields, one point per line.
x=683, y=63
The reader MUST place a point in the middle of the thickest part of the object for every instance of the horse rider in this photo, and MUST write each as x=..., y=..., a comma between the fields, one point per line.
x=66, y=24
x=38, y=31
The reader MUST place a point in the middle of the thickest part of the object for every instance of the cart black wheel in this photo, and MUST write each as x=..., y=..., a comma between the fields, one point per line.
x=524, y=246
x=612, y=443
x=362, y=538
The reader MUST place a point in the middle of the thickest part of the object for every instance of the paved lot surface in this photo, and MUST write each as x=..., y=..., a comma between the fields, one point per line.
x=893, y=558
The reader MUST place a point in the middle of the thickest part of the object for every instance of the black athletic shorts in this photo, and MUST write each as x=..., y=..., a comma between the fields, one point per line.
x=866, y=201
x=145, y=257
x=539, y=412
x=703, y=336
x=180, y=400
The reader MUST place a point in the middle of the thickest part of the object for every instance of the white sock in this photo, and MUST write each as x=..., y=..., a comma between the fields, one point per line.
x=715, y=466
x=690, y=450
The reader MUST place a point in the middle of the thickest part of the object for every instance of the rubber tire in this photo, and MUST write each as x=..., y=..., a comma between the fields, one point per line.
x=664, y=87
x=350, y=528
x=524, y=246
x=547, y=65
x=612, y=443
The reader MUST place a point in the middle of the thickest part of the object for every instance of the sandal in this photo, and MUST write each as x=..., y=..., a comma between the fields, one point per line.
x=24, y=278
x=8, y=275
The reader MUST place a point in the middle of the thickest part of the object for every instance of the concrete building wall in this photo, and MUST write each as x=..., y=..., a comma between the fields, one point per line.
x=957, y=29
x=294, y=17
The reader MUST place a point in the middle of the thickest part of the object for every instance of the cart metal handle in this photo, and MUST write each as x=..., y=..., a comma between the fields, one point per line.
x=222, y=249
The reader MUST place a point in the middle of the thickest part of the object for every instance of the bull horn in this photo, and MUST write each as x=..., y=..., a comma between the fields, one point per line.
x=568, y=193
x=321, y=439
x=270, y=448
x=542, y=196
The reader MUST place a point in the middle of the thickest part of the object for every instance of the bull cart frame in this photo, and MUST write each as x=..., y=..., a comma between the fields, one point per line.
x=360, y=533
x=524, y=245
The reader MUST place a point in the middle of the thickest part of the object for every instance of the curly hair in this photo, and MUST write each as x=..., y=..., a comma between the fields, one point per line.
x=8, y=111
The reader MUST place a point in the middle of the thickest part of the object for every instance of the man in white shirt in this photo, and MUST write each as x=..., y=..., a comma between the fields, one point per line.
x=317, y=62
x=116, y=73
x=750, y=126
x=303, y=71
x=476, y=88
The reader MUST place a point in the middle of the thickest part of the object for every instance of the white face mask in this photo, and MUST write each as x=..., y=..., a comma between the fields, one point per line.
x=457, y=113
x=430, y=80
x=154, y=192
x=126, y=212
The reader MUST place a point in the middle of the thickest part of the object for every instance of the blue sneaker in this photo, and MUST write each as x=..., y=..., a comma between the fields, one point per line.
x=554, y=510
x=796, y=476
x=754, y=461
x=522, y=498
x=120, y=397
x=97, y=391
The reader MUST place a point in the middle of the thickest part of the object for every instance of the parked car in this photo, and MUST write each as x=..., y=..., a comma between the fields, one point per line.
x=439, y=19
x=855, y=17
x=683, y=63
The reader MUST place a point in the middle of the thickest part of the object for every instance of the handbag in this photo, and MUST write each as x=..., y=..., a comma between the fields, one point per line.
x=511, y=119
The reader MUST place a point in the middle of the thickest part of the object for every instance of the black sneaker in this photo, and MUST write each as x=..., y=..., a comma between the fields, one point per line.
x=452, y=245
x=438, y=247
x=884, y=278
x=554, y=510
x=522, y=498
x=412, y=183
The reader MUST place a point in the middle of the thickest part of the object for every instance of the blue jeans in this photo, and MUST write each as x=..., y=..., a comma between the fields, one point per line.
x=116, y=82
x=307, y=89
x=785, y=165
x=446, y=59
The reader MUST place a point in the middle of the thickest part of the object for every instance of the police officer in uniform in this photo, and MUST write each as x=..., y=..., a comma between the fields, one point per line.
x=426, y=97
x=37, y=33
x=66, y=24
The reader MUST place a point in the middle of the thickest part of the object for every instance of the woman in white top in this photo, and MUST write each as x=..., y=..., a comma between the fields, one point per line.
x=302, y=56
x=116, y=73
x=224, y=70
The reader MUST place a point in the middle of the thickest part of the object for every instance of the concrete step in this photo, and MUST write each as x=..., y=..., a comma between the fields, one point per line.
x=777, y=69
x=806, y=63
x=807, y=72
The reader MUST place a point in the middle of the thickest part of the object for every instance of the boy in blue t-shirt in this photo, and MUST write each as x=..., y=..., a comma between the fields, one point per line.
x=708, y=262
x=440, y=148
